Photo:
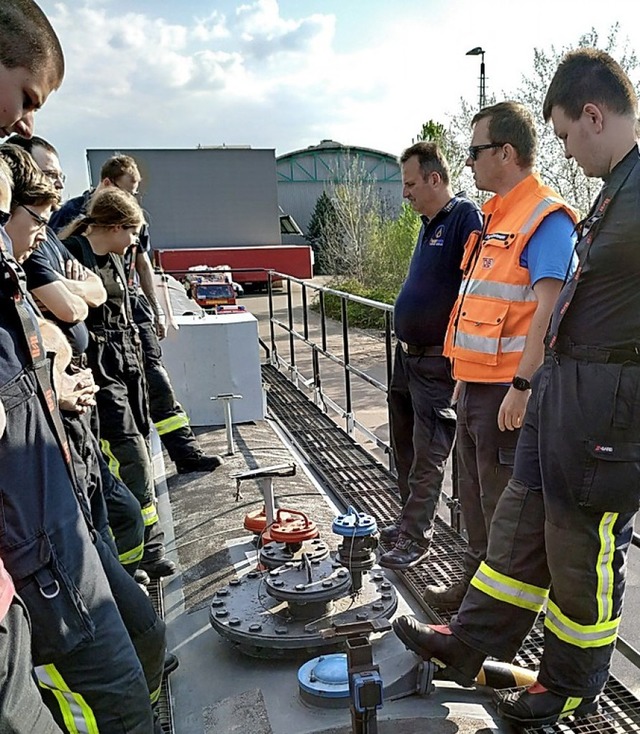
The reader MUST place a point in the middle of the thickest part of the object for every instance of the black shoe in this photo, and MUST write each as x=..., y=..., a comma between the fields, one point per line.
x=389, y=534
x=141, y=577
x=446, y=598
x=160, y=568
x=539, y=707
x=199, y=462
x=460, y=662
x=406, y=553
x=171, y=663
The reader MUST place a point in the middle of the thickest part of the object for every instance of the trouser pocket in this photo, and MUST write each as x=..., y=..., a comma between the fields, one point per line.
x=611, y=480
x=60, y=620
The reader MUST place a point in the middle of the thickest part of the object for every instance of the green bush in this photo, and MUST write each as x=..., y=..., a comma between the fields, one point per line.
x=358, y=314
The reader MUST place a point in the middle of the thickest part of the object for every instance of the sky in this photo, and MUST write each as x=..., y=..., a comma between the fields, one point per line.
x=286, y=74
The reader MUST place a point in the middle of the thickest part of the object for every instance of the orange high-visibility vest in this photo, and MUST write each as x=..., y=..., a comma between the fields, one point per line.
x=492, y=314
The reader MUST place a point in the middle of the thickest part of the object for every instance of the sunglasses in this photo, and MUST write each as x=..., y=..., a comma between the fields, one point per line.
x=475, y=149
x=41, y=221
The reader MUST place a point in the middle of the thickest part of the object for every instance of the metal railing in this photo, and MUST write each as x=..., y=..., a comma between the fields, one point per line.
x=301, y=333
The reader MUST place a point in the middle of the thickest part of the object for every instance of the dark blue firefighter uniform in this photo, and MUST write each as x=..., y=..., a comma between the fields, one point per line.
x=422, y=420
x=86, y=665
x=562, y=529
x=115, y=358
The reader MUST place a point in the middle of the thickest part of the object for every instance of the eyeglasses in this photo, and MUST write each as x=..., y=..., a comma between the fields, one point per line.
x=4, y=217
x=55, y=175
x=41, y=221
x=475, y=149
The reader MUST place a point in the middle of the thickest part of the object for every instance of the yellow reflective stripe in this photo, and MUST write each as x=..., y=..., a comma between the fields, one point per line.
x=113, y=463
x=509, y=590
x=111, y=535
x=171, y=424
x=604, y=567
x=76, y=712
x=155, y=695
x=571, y=704
x=580, y=635
x=496, y=289
x=132, y=556
x=149, y=515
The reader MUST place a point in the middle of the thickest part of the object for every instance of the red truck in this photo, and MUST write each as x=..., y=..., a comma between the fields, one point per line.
x=293, y=260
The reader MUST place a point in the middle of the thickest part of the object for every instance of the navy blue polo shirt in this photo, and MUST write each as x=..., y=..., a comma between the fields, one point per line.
x=423, y=305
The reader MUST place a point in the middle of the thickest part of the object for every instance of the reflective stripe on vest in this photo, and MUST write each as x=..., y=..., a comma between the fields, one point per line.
x=489, y=345
x=605, y=630
x=149, y=515
x=494, y=289
x=171, y=424
x=509, y=590
x=76, y=712
x=491, y=318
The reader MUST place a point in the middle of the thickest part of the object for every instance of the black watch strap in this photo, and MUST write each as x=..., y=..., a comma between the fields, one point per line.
x=520, y=383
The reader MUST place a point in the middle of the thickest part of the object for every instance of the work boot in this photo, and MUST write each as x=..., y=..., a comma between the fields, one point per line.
x=141, y=577
x=406, y=553
x=446, y=598
x=389, y=534
x=437, y=643
x=159, y=568
x=171, y=663
x=198, y=462
x=537, y=706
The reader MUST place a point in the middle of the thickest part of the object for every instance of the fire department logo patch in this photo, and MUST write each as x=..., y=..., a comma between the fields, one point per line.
x=438, y=237
x=487, y=262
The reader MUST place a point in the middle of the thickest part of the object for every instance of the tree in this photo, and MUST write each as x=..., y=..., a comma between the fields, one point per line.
x=323, y=231
x=563, y=175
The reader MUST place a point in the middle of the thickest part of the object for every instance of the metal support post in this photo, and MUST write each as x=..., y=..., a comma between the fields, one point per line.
x=228, y=422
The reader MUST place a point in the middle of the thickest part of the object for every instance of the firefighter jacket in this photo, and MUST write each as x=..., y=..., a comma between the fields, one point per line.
x=490, y=320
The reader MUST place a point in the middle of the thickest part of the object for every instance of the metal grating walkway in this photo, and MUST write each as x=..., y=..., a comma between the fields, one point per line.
x=356, y=478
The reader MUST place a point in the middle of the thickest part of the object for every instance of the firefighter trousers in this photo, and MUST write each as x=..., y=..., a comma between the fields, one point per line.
x=562, y=528
x=422, y=432
x=114, y=511
x=170, y=420
x=87, y=668
x=23, y=711
x=124, y=426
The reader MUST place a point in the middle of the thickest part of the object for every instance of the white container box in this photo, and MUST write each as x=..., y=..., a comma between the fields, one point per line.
x=213, y=355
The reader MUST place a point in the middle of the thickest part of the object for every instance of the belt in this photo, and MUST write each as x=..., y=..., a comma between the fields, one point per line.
x=414, y=350
x=597, y=354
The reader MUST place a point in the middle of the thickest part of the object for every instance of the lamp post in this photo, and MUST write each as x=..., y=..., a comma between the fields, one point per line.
x=479, y=51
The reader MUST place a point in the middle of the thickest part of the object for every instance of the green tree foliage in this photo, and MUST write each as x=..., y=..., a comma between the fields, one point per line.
x=323, y=228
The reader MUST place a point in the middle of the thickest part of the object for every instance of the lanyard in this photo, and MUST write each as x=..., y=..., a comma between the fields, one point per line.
x=587, y=229
x=40, y=364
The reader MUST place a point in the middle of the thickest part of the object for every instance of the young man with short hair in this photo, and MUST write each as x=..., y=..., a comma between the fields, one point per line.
x=563, y=527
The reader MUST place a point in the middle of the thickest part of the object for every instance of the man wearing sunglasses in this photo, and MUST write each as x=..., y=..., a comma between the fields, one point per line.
x=513, y=270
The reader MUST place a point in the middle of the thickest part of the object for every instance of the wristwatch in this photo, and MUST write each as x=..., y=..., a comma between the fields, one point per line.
x=520, y=383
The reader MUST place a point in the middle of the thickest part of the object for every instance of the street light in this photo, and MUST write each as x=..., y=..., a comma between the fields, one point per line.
x=479, y=51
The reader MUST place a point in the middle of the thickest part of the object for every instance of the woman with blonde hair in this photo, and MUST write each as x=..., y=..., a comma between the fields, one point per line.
x=98, y=240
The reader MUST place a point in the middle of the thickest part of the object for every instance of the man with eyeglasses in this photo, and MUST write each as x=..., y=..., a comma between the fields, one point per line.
x=513, y=270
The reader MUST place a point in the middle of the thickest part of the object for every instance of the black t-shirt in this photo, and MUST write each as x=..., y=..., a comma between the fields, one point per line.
x=45, y=266
x=422, y=309
x=114, y=313
x=605, y=309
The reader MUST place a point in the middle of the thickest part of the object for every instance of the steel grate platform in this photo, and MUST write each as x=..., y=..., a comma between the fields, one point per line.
x=357, y=478
x=163, y=707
